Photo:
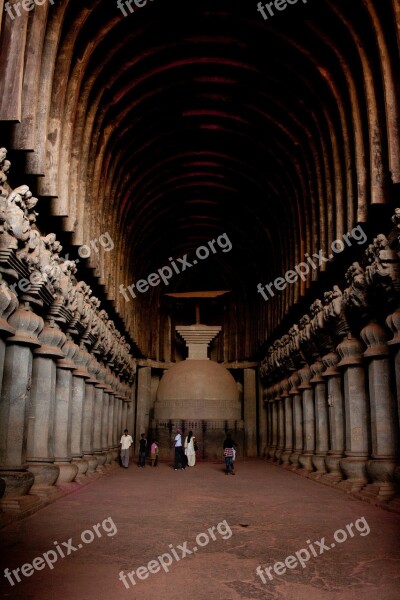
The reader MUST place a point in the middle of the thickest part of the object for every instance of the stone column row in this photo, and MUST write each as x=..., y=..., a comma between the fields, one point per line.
x=51, y=328
x=337, y=419
x=61, y=412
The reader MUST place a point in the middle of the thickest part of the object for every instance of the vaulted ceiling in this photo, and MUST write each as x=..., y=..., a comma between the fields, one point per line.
x=183, y=121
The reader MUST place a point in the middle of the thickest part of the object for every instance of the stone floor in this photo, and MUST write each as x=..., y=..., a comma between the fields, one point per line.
x=261, y=516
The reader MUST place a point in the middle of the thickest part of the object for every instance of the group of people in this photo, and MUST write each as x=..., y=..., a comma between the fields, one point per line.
x=185, y=454
x=185, y=451
x=127, y=441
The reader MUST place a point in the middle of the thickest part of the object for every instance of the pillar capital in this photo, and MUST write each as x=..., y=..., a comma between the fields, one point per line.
x=52, y=340
x=82, y=359
x=70, y=350
x=375, y=338
x=317, y=369
x=294, y=382
x=393, y=322
x=284, y=386
x=350, y=351
x=27, y=325
x=305, y=376
x=331, y=362
x=8, y=304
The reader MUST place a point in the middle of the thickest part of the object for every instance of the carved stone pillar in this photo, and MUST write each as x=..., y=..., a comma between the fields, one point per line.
x=274, y=404
x=130, y=416
x=124, y=422
x=321, y=420
x=250, y=411
x=384, y=423
x=267, y=423
x=305, y=387
x=120, y=427
x=393, y=322
x=116, y=427
x=356, y=411
x=294, y=381
x=117, y=421
x=78, y=397
x=262, y=419
x=281, y=425
x=104, y=428
x=88, y=420
x=63, y=417
x=336, y=418
x=287, y=403
x=8, y=303
x=14, y=406
x=112, y=412
x=40, y=444
x=99, y=420
x=110, y=433
x=269, y=397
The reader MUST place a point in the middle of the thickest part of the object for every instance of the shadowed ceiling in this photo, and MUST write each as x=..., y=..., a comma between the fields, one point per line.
x=186, y=120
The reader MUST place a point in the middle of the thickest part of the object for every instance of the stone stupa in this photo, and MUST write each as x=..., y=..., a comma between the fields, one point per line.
x=199, y=394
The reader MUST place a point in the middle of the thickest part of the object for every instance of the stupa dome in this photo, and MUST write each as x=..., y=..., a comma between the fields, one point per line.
x=197, y=389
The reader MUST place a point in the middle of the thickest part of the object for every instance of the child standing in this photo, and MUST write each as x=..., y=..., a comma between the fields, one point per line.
x=154, y=453
x=142, y=451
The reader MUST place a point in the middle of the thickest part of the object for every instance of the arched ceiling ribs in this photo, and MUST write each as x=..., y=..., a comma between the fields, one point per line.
x=282, y=133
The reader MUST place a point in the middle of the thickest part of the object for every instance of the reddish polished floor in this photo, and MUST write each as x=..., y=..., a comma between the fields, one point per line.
x=260, y=517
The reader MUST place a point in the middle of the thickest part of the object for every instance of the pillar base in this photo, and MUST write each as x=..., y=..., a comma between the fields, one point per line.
x=286, y=458
x=394, y=505
x=306, y=463
x=378, y=492
x=271, y=454
x=335, y=473
x=92, y=462
x=108, y=465
x=83, y=466
x=382, y=470
x=18, y=483
x=47, y=493
x=331, y=479
x=101, y=459
x=46, y=475
x=21, y=506
x=278, y=456
x=383, y=473
x=355, y=472
x=68, y=472
x=318, y=460
x=294, y=460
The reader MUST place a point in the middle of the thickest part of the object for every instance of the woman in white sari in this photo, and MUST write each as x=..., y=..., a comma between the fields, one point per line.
x=189, y=449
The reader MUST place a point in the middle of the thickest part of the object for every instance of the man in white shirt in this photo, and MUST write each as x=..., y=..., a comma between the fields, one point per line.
x=179, y=454
x=126, y=442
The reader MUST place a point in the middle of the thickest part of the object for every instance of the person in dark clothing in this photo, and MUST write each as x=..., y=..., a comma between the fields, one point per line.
x=229, y=448
x=142, y=451
x=180, y=458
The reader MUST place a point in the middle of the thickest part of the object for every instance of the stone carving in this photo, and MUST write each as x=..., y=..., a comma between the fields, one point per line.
x=4, y=168
x=394, y=236
x=16, y=218
x=51, y=280
x=383, y=270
